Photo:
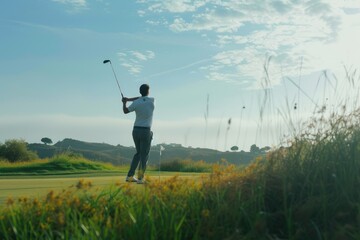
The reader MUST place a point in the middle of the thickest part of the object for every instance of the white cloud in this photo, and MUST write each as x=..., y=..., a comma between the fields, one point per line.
x=76, y=5
x=208, y=22
x=314, y=35
x=141, y=13
x=175, y=6
x=132, y=68
x=143, y=56
x=133, y=60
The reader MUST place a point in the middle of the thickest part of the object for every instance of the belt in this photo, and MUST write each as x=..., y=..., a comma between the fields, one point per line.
x=138, y=127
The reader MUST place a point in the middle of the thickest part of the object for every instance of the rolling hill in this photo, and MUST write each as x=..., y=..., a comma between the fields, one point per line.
x=118, y=154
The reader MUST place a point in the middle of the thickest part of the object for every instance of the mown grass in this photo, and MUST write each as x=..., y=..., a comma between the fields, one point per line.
x=308, y=190
x=59, y=164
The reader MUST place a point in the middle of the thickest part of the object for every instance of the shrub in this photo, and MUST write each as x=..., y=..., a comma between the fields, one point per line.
x=187, y=165
x=16, y=150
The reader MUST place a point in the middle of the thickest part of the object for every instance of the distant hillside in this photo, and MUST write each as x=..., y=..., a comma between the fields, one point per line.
x=174, y=151
x=122, y=155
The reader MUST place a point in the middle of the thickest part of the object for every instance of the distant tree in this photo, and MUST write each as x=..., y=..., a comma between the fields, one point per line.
x=16, y=150
x=265, y=149
x=234, y=148
x=254, y=149
x=46, y=140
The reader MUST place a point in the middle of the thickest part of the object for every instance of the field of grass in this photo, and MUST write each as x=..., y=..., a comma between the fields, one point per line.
x=61, y=164
x=308, y=190
x=37, y=186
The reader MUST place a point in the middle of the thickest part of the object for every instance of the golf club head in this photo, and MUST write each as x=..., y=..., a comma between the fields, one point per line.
x=106, y=61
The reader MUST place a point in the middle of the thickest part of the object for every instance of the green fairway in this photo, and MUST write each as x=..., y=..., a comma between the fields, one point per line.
x=38, y=186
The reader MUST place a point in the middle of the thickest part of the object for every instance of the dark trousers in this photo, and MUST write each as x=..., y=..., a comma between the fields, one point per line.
x=142, y=139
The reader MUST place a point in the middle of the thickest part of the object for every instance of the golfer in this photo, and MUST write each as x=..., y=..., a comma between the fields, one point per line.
x=142, y=134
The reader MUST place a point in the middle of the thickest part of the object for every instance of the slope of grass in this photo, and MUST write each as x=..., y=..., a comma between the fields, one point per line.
x=307, y=190
x=60, y=164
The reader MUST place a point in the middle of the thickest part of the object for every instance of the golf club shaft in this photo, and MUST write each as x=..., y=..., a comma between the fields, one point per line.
x=116, y=79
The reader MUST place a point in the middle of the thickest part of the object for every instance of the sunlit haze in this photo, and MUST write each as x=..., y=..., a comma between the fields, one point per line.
x=266, y=65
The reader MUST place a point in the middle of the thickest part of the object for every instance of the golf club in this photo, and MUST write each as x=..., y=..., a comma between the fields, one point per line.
x=108, y=61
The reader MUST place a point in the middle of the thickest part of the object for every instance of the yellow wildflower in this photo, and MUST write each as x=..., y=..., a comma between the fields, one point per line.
x=36, y=202
x=108, y=222
x=10, y=201
x=50, y=196
x=58, y=202
x=43, y=226
x=61, y=219
x=205, y=213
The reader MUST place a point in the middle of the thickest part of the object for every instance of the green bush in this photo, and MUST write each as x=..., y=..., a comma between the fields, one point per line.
x=16, y=150
x=3, y=160
x=187, y=165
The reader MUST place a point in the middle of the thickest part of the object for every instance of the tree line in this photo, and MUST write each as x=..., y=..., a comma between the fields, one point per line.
x=16, y=150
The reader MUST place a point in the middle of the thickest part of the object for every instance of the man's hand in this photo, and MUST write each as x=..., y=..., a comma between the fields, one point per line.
x=125, y=109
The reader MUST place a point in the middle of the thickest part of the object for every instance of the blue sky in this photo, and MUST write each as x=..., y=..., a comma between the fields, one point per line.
x=53, y=82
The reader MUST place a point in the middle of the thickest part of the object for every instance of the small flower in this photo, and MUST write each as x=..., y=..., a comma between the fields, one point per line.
x=205, y=213
x=109, y=222
x=10, y=201
x=50, y=196
x=76, y=201
x=61, y=219
x=58, y=202
x=36, y=202
x=43, y=226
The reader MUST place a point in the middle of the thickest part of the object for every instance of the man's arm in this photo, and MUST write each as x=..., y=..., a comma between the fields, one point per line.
x=124, y=100
x=125, y=109
x=132, y=99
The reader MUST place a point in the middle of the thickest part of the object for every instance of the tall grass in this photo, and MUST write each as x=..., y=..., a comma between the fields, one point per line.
x=308, y=190
x=317, y=180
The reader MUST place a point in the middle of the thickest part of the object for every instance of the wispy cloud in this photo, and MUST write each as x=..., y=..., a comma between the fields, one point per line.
x=191, y=65
x=291, y=32
x=175, y=6
x=133, y=60
x=75, y=5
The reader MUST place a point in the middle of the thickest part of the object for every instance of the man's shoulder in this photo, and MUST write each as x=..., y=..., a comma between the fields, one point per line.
x=151, y=99
x=143, y=100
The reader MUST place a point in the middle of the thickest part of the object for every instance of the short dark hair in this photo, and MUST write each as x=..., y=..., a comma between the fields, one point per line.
x=144, y=89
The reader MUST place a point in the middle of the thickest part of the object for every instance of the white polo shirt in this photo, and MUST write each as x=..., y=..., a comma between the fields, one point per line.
x=144, y=108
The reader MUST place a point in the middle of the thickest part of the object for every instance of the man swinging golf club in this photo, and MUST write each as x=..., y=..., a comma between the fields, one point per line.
x=142, y=134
